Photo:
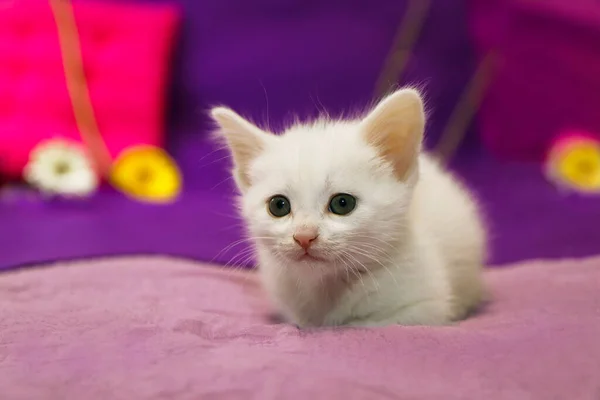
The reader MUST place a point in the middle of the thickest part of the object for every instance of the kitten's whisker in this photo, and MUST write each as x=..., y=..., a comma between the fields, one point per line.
x=323, y=286
x=366, y=269
x=371, y=237
x=237, y=243
x=389, y=243
x=216, y=150
x=382, y=265
x=237, y=217
x=227, y=157
x=373, y=254
x=221, y=182
x=369, y=246
x=233, y=226
x=247, y=260
x=349, y=263
x=242, y=253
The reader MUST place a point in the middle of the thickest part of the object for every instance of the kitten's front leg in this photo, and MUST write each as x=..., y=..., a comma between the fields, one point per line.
x=434, y=312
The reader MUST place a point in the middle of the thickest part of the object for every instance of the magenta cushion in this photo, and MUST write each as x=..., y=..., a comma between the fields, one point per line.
x=125, y=50
x=158, y=328
x=548, y=80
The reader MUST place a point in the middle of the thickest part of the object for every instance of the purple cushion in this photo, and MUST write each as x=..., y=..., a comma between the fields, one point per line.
x=528, y=218
x=273, y=60
x=549, y=79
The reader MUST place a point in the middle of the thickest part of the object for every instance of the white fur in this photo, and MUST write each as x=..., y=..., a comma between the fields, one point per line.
x=410, y=253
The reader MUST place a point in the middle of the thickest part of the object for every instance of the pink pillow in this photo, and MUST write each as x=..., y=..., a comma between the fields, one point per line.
x=125, y=50
x=548, y=80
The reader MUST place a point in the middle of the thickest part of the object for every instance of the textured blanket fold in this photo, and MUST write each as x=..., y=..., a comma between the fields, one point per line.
x=159, y=328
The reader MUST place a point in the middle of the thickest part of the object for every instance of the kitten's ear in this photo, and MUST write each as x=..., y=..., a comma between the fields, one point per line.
x=244, y=139
x=395, y=127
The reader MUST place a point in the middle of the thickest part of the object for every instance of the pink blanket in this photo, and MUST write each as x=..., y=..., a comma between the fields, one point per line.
x=158, y=328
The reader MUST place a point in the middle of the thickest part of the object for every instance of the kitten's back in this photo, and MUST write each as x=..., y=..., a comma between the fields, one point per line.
x=450, y=217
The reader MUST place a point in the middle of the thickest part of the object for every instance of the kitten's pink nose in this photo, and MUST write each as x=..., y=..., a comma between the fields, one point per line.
x=305, y=236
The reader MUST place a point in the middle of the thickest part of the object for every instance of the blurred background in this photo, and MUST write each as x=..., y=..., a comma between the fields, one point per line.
x=105, y=142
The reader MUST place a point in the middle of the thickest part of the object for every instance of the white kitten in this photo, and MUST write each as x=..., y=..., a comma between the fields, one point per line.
x=353, y=225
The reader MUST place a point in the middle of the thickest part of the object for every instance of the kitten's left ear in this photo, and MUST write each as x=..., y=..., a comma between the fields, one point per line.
x=244, y=139
x=395, y=128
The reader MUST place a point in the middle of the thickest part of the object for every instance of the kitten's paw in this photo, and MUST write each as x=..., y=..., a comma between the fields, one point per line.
x=425, y=313
x=467, y=306
x=428, y=312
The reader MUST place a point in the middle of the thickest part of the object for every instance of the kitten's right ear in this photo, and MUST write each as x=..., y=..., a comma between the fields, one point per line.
x=244, y=139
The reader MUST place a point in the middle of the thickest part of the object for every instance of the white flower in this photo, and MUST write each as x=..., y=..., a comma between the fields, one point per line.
x=61, y=167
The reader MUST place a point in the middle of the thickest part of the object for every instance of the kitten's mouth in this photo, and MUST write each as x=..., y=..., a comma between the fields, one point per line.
x=309, y=257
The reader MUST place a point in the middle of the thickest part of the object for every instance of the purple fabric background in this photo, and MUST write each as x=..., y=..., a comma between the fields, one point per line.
x=271, y=60
x=550, y=76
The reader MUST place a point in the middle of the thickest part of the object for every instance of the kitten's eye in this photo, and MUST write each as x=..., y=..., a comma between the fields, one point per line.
x=279, y=206
x=342, y=204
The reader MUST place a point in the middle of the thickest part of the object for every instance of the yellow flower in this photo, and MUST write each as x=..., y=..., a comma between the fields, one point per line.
x=576, y=164
x=146, y=173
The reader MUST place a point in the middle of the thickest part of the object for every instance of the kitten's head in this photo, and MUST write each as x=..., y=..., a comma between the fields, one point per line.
x=329, y=193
